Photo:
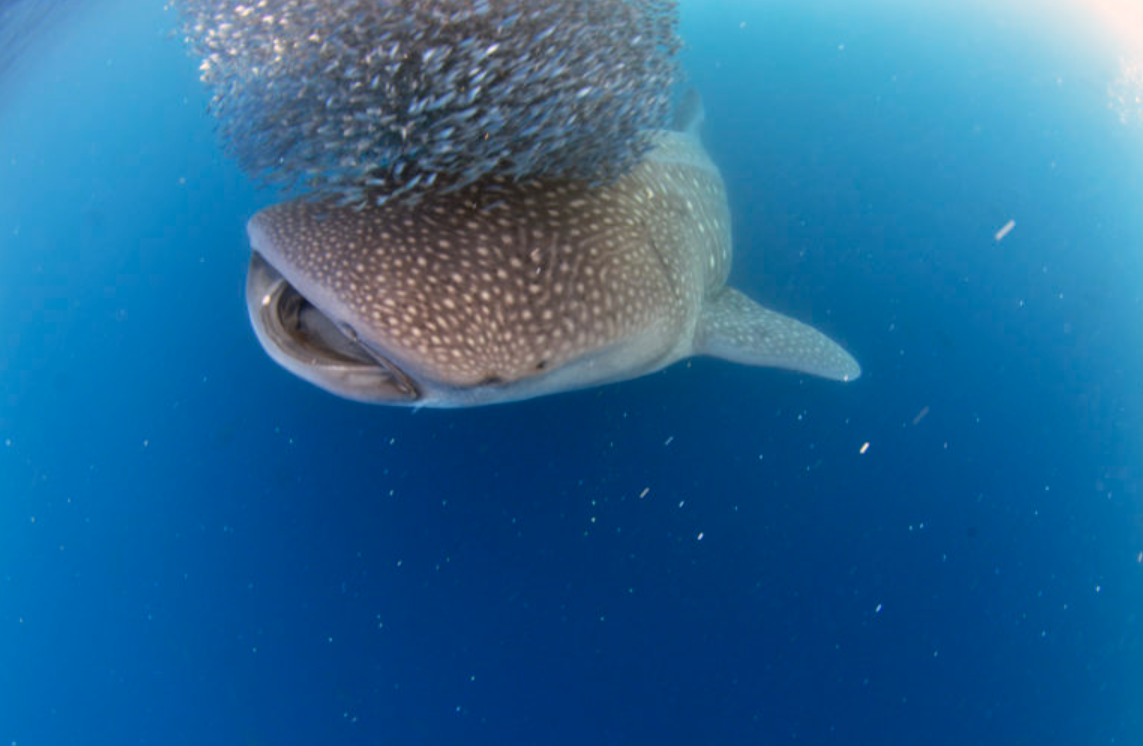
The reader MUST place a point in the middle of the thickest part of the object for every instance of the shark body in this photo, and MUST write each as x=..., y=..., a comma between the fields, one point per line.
x=504, y=291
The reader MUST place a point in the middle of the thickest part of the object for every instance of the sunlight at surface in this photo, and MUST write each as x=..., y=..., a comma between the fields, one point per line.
x=1109, y=30
x=1122, y=20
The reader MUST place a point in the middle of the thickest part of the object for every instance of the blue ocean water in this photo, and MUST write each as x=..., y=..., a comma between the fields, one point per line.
x=196, y=547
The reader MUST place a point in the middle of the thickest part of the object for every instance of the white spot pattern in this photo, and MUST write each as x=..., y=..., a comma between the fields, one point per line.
x=501, y=281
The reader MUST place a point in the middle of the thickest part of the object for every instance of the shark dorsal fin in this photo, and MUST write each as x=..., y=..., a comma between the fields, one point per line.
x=690, y=113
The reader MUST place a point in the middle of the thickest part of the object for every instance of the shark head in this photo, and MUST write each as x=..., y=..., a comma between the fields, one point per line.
x=504, y=291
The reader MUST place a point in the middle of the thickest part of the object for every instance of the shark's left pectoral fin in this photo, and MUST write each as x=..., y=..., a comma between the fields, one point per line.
x=736, y=328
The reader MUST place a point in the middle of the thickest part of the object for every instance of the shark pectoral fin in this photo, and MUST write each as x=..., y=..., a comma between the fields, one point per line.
x=736, y=328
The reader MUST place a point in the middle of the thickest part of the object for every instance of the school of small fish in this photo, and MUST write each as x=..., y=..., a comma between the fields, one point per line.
x=368, y=101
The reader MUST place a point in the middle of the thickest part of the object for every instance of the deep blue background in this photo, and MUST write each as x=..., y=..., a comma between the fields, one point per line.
x=196, y=547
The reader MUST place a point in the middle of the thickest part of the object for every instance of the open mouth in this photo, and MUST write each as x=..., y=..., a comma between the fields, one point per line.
x=302, y=339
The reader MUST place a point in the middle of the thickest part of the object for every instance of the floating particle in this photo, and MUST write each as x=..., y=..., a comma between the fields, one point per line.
x=864, y=447
x=921, y=415
x=1005, y=230
x=644, y=492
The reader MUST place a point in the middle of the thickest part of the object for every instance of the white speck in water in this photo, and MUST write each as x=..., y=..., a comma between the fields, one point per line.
x=1005, y=230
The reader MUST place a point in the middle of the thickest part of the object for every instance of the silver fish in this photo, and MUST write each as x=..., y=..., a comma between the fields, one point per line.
x=277, y=68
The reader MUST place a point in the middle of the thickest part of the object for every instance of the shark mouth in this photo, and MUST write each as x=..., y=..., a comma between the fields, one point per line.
x=308, y=343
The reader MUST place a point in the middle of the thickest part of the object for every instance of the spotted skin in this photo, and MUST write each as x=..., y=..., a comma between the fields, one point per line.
x=505, y=291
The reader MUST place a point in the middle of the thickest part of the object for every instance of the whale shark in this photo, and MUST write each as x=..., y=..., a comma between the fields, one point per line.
x=506, y=290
